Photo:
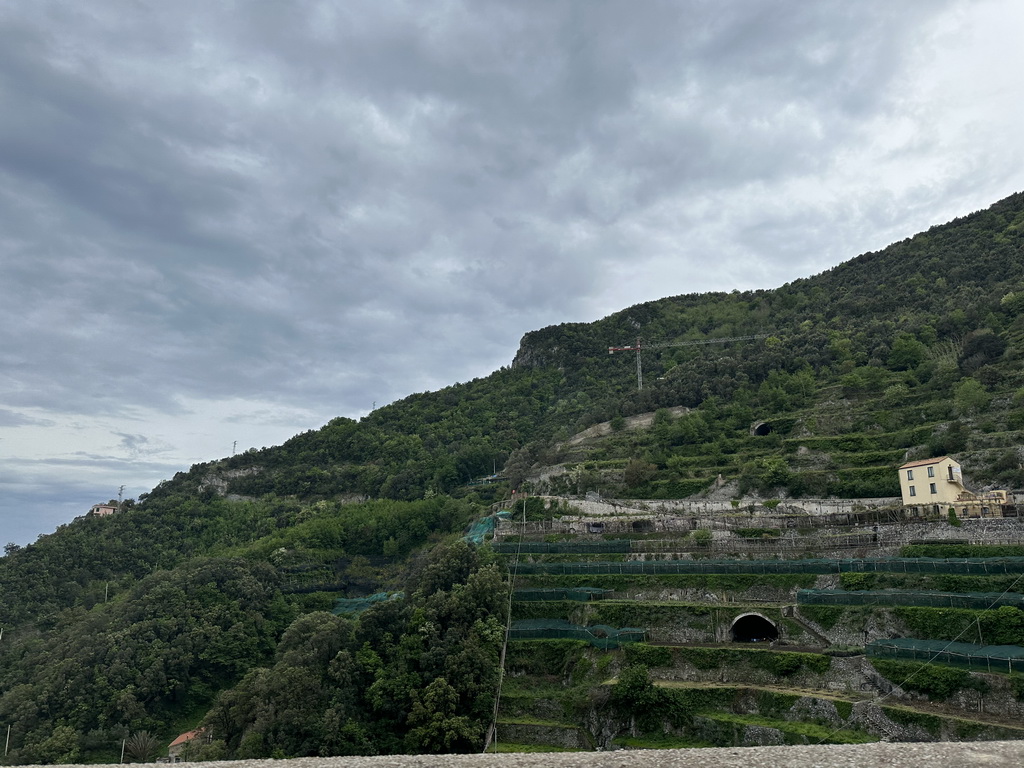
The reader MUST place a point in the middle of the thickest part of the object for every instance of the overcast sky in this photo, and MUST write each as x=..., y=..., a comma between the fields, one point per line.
x=230, y=222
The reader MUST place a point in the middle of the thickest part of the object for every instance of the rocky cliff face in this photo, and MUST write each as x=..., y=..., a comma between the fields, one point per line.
x=538, y=349
x=556, y=345
x=529, y=356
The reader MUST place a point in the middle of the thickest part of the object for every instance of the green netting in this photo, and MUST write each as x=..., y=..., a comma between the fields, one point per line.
x=602, y=636
x=973, y=565
x=930, y=598
x=982, y=658
x=580, y=594
x=481, y=529
x=347, y=605
x=562, y=547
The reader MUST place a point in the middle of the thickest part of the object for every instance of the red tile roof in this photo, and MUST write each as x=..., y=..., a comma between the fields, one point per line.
x=188, y=736
x=926, y=462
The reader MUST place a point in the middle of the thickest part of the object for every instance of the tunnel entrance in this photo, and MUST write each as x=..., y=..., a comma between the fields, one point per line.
x=643, y=526
x=761, y=428
x=753, y=628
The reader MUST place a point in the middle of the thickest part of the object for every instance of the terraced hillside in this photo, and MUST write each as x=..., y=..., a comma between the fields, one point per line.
x=777, y=446
x=680, y=638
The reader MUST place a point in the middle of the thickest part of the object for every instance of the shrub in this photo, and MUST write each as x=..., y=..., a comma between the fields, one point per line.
x=648, y=655
x=825, y=616
x=935, y=681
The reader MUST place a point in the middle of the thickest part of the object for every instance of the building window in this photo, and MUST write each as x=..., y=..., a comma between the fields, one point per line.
x=912, y=491
x=910, y=474
x=931, y=487
x=931, y=471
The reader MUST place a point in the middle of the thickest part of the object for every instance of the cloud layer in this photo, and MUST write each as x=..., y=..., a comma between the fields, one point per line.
x=225, y=223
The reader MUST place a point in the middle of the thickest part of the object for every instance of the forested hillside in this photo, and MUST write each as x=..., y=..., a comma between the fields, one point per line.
x=205, y=601
x=912, y=350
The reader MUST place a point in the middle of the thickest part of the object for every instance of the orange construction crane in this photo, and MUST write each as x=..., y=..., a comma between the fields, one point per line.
x=640, y=346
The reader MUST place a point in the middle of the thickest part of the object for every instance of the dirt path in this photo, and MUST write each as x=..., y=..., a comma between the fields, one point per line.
x=922, y=707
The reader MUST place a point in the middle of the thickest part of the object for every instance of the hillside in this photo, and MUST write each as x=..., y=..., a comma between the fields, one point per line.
x=907, y=352
x=206, y=601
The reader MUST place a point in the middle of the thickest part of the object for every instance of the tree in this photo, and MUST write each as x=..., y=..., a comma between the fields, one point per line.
x=435, y=725
x=634, y=696
x=970, y=397
x=638, y=472
x=980, y=348
x=60, y=747
x=906, y=353
x=773, y=472
x=1013, y=303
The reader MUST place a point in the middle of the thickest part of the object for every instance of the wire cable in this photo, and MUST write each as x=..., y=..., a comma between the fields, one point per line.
x=492, y=732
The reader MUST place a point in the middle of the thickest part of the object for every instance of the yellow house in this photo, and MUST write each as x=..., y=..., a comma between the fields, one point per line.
x=933, y=486
x=931, y=481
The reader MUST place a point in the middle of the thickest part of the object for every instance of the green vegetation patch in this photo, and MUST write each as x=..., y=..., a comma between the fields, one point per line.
x=705, y=582
x=941, y=582
x=527, y=748
x=794, y=731
x=545, y=657
x=825, y=616
x=936, y=681
x=648, y=655
x=962, y=550
x=910, y=719
x=662, y=741
x=1002, y=626
x=779, y=663
x=758, y=533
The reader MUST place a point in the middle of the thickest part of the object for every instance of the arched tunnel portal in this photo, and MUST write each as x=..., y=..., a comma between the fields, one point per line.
x=753, y=628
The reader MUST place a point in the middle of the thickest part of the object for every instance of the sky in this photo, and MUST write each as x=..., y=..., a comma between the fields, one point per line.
x=222, y=224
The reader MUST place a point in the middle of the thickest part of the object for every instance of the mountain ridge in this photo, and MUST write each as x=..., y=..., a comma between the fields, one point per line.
x=903, y=353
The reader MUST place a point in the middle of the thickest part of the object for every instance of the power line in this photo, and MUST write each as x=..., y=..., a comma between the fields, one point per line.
x=492, y=732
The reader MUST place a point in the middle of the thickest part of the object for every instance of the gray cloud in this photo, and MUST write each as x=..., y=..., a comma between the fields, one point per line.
x=303, y=207
x=13, y=419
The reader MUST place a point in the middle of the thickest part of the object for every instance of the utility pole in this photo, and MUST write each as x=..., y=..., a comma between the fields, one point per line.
x=234, y=445
x=640, y=346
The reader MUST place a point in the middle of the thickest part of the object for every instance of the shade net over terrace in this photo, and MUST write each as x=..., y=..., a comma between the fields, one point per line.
x=865, y=565
x=561, y=547
x=602, y=636
x=980, y=658
x=924, y=598
x=350, y=605
x=579, y=594
x=478, y=532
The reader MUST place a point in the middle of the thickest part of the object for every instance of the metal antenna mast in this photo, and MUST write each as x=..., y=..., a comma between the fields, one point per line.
x=640, y=346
